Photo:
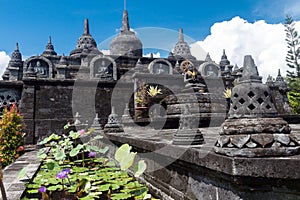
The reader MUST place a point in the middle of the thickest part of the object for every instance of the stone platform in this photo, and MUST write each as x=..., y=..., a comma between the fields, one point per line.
x=196, y=172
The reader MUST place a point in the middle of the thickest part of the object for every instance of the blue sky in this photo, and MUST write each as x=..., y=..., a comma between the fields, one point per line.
x=30, y=22
x=241, y=27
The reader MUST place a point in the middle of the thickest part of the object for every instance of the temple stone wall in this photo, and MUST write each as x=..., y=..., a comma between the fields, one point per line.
x=47, y=105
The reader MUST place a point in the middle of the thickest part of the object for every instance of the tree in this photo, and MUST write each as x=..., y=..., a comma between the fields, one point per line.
x=292, y=57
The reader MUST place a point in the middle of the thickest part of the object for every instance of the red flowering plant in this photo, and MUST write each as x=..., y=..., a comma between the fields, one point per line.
x=11, y=135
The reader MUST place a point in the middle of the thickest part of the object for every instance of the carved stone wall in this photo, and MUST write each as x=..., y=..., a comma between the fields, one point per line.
x=9, y=93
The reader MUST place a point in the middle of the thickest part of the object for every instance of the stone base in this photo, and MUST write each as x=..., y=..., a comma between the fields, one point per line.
x=113, y=128
x=255, y=125
x=188, y=137
x=97, y=128
x=258, y=152
x=256, y=137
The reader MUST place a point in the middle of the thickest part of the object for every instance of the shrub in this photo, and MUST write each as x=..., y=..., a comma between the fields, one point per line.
x=11, y=135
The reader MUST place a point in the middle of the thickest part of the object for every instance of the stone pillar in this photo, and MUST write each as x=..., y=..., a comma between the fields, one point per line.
x=27, y=108
x=253, y=128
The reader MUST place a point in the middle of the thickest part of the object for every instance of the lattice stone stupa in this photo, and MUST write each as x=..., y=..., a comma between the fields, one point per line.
x=253, y=128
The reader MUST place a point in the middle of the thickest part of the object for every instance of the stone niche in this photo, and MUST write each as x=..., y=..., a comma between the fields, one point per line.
x=103, y=68
x=209, y=69
x=41, y=66
x=160, y=66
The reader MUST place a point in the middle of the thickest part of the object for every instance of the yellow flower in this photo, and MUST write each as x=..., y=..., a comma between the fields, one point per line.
x=153, y=91
x=227, y=93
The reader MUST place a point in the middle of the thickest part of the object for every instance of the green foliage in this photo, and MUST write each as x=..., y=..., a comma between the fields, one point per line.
x=294, y=99
x=66, y=147
x=11, y=135
x=292, y=59
x=293, y=44
x=294, y=94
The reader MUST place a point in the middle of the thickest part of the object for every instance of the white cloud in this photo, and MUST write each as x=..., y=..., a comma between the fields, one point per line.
x=155, y=55
x=198, y=51
x=4, y=59
x=265, y=42
x=105, y=51
x=119, y=30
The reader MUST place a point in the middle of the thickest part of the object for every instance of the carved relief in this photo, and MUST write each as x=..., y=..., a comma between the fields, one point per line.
x=209, y=69
x=103, y=68
x=160, y=66
x=40, y=66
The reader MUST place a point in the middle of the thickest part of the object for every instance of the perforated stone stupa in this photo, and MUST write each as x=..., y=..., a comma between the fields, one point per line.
x=188, y=132
x=253, y=128
x=113, y=124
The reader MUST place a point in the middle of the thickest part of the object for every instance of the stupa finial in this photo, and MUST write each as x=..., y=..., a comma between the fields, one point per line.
x=86, y=30
x=181, y=39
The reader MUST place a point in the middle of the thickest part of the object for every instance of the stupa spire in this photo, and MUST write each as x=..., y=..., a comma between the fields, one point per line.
x=125, y=21
x=86, y=30
x=208, y=58
x=279, y=78
x=224, y=54
x=250, y=72
x=49, y=48
x=181, y=38
x=17, y=46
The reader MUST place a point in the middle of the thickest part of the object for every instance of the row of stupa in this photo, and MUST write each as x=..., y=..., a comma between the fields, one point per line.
x=51, y=65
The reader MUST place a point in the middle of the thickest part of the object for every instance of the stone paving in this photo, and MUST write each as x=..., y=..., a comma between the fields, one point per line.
x=13, y=186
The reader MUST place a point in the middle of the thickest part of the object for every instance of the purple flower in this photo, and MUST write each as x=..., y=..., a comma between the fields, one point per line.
x=67, y=171
x=42, y=189
x=92, y=154
x=63, y=174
